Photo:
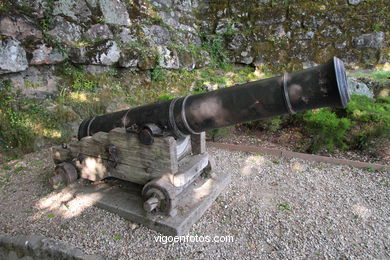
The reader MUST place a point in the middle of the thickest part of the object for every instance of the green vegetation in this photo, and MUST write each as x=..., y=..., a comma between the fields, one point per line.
x=50, y=215
x=326, y=129
x=371, y=119
x=23, y=119
x=283, y=206
x=214, y=45
x=378, y=76
x=363, y=121
x=269, y=124
x=5, y=6
x=118, y=237
x=158, y=73
x=78, y=79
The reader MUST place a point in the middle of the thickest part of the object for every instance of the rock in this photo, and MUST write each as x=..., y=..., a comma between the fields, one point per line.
x=279, y=31
x=355, y=2
x=188, y=38
x=237, y=41
x=309, y=64
x=169, y=58
x=92, y=3
x=66, y=32
x=46, y=55
x=106, y=54
x=186, y=60
x=271, y=15
x=37, y=7
x=157, y=34
x=101, y=53
x=96, y=69
x=114, y=12
x=19, y=28
x=37, y=82
x=313, y=22
x=202, y=60
x=127, y=35
x=358, y=88
x=78, y=55
x=372, y=40
x=340, y=45
x=98, y=32
x=129, y=59
x=302, y=34
x=170, y=18
x=331, y=31
x=223, y=25
x=185, y=5
x=76, y=10
x=162, y=3
x=12, y=56
x=173, y=19
x=245, y=57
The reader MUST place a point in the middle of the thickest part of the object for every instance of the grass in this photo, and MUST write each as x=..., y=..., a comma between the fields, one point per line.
x=50, y=215
x=19, y=169
x=7, y=168
x=118, y=237
x=283, y=206
x=381, y=76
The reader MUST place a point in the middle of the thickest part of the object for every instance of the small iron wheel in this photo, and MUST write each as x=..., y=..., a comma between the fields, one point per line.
x=64, y=173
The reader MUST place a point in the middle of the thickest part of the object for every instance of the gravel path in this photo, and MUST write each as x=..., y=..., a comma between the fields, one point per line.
x=279, y=209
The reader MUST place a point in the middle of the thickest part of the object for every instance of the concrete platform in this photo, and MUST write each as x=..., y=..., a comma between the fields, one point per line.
x=124, y=198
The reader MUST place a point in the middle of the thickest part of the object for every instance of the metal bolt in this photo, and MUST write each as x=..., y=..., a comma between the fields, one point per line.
x=151, y=204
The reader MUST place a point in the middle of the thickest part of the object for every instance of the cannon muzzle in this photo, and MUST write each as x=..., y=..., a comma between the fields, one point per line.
x=321, y=86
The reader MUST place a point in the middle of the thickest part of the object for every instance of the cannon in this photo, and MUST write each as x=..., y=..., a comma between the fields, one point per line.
x=162, y=147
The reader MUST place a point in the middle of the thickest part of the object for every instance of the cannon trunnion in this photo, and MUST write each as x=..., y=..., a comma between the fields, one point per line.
x=162, y=145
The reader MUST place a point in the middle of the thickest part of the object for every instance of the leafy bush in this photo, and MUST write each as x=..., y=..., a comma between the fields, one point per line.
x=165, y=97
x=220, y=133
x=13, y=131
x=78, y=79
x=269, y=124
x=326, y=129
x=214, y=46
x=157, y=74
x=371, y=117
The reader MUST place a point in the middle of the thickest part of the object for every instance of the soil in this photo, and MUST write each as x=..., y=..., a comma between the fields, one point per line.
x=292, y=139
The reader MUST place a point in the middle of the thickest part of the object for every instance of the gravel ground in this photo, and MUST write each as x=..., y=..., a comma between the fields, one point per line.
x=278, y=209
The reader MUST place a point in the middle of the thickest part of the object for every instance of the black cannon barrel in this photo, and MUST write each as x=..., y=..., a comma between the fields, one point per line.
x=321, y=86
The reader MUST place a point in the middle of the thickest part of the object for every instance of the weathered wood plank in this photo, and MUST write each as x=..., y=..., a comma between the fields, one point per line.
x=198, y=143
x=160, y=157
x=60, y=154
x=95, y=145
x=74, y=148
x=189, y=169
x=96, y=169
x=136, y=162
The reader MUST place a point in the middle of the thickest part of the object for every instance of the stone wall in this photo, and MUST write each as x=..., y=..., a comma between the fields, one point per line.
x=139, y=35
